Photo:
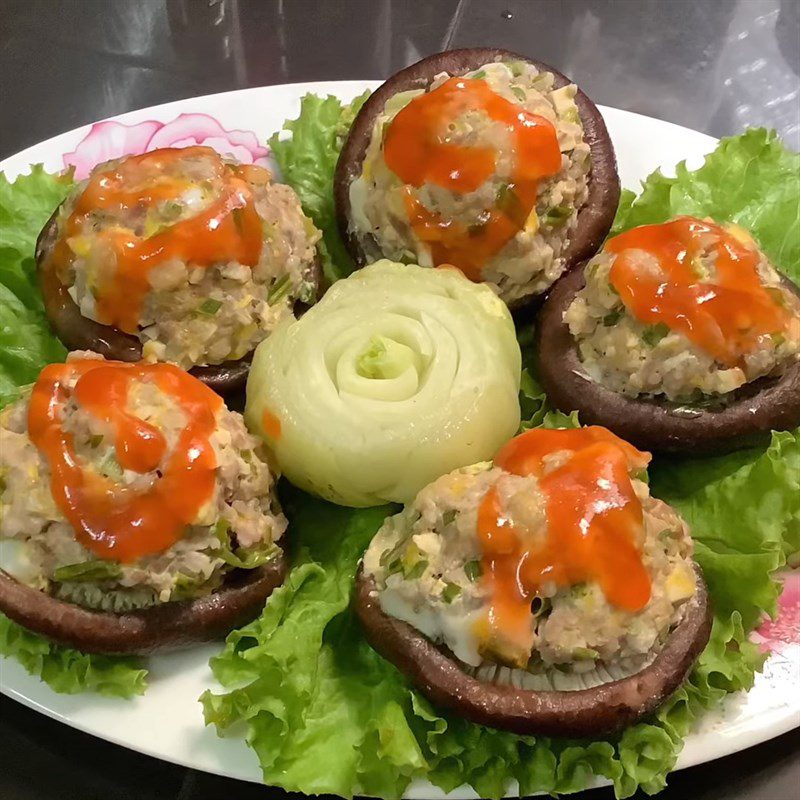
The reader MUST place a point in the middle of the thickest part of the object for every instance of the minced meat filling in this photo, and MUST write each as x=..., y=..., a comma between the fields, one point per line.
x=200, y=314
x=426, y=562
x=240, y=526
x=635, y=359
x=532, y=260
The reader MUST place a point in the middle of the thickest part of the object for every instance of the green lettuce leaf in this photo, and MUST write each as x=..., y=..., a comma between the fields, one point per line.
x=26, y=343
x=322, y=711
x=26, y=204
x=724, y=500
x=319, y=710
x=307, y=160
x=325, y=714
x=67, y=671
x=535, y=409
x=26, y=346
x=751, y=180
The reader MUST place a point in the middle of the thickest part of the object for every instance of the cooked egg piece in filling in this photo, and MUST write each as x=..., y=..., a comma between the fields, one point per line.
x=486, y=172
x=686, y=310
x=553, y=557
x=197, y=256
x=129, y=485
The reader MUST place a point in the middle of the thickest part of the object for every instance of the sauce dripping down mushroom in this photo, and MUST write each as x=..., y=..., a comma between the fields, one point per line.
x=111, y=520
x=725, y=315
x=227, y=229
x=594, y=525
x=418, y=150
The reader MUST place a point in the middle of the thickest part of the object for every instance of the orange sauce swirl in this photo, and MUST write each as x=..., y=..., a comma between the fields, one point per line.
x=229, y=229
x=594, y=524
x=724, y=317
x=417, y=151
x=110, y=520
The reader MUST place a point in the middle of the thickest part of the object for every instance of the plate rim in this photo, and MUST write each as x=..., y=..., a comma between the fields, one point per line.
x=20, y=163
x=351, y=86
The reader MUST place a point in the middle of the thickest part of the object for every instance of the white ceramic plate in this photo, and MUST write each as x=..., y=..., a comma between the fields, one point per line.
x=167, y=721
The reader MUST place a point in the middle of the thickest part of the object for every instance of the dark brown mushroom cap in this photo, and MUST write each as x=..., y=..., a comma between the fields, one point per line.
x=660, y=426
x=77, y=332
x=168, y=626
x=594, y=219
x=583, y=713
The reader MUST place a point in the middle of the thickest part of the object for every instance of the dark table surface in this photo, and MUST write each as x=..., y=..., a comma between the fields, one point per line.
x=713, y=65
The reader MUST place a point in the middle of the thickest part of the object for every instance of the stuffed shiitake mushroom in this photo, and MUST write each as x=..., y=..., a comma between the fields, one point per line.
x=177, y=255
x=141, y=513
x=544, y=593
x=483, y=159
x=679, y=336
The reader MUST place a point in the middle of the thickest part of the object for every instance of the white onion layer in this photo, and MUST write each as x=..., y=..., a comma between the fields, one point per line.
x=397, y=376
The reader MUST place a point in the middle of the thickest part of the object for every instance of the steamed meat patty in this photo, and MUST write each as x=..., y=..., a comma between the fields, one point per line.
x=673, y=348
x=196, y=256
x=166, y=453
x=435, y=568
x=497, y=197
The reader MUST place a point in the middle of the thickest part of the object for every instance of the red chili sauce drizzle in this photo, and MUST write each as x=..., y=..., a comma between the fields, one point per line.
x=594, y=524
x=724, y=317
x=110, y=520
x=229, y=229
x=417, y=151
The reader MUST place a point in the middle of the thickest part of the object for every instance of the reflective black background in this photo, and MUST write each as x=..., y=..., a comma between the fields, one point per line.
x=713, y=65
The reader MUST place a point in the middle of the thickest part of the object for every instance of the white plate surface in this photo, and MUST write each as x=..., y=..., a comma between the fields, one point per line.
x=167, y=721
